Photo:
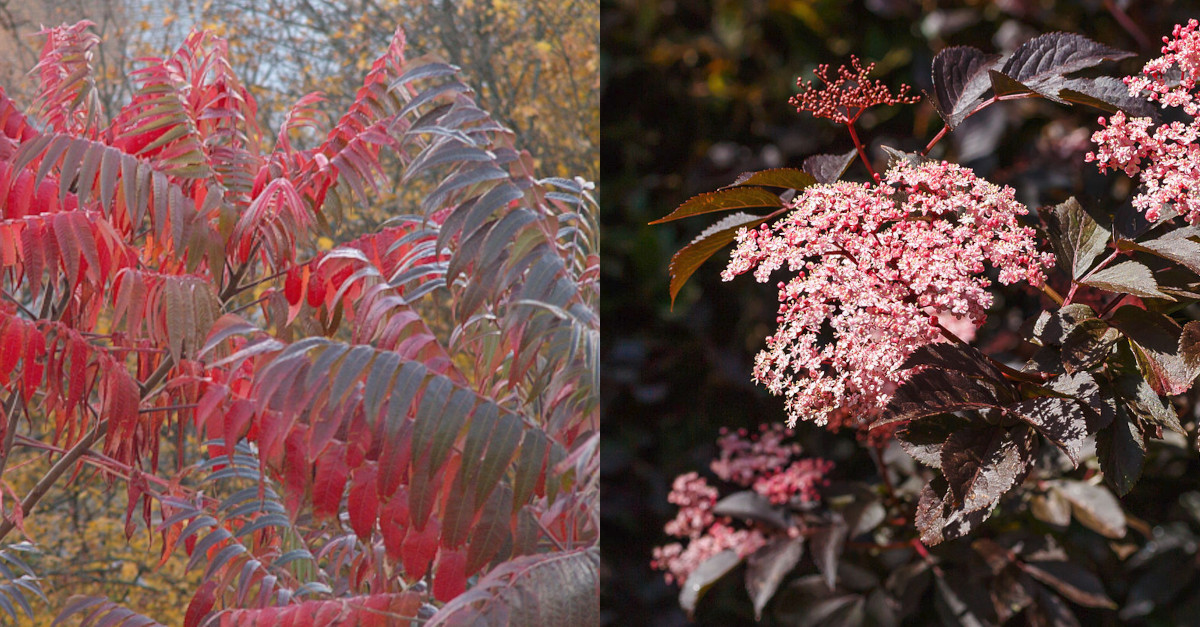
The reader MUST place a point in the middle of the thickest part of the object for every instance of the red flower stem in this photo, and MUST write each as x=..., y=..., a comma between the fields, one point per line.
x=859, y=146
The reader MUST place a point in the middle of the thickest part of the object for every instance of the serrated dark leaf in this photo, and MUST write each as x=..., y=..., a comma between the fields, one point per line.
x=1122, y=452
x=1004, y=85
x=724, y=200
x=829, y=168
x=766, y=568
x=1072, y=581
x=783, y=178
x=1050, y=611
x=705, y=575
x=981, y=463
x=1105, y=93
x=1156, y=343
x=714, y=238
x=896, y=156
x=1128, y=277
x=1084, y=388
x=1176, y=245
x=1061, y=420
x=960, y=78
x=1094, y=507
x=953, y=356
x=934, y=391
x=938, y=521
x=1076, y=238
x=826, y=544
x=923, y=439
x=1087, y=344
x=1043, y=60
x=752, y=506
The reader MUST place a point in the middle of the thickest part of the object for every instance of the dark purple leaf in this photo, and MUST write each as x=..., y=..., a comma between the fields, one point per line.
x=1128, y=277
x=1071, y=580
x=829, y=168
x=1156, y=342
x=724, y=200
x=714, y=238
x=1061, y=420
x=752, y=506
x=982, y=463
x=964, y=610
x=934, y=391
x=1105, y=93
x=960, y=78
x=1087, y=344
x=923, y=439
x=938, y=521
x=1122, y=451
x=956, y=357
x=1050, y=611
x=1176, y=245
x=705, y=575
x=1094, y=507
x=1003, y=85
x=783, y=178
x=1042, y=61
x=1083, y=387
x=1077, y=238
x=766, y=568
x=826, y=544
x=1051, y=507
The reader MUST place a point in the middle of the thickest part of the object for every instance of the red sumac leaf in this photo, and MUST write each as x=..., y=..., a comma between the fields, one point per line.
x=201, y=605
x=293, y=286
x=363, y=502
x=330, y=481
x=394, y=524
x=449, y=577
x=419, y=549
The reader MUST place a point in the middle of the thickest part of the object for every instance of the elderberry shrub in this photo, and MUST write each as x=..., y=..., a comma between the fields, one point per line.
x=998, y=480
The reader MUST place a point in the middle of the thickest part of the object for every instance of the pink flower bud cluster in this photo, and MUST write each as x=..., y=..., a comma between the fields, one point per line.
x=875, y=266
x=706, y=535
x=760, y=461
x=844, y=97
x=1167, y=160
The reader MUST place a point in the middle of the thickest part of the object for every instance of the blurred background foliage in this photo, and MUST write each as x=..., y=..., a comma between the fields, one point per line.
x=694, y=94
x=534, y=64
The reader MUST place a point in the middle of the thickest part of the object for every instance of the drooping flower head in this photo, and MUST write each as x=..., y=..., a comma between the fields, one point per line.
x=875, y=265
x=842, y=98
x=1166, y=159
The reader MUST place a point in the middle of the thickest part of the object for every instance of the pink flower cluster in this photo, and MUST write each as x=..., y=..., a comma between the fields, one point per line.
x=875, y=266
x=707, y=536
x=760, y=461
x=1167, y=161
